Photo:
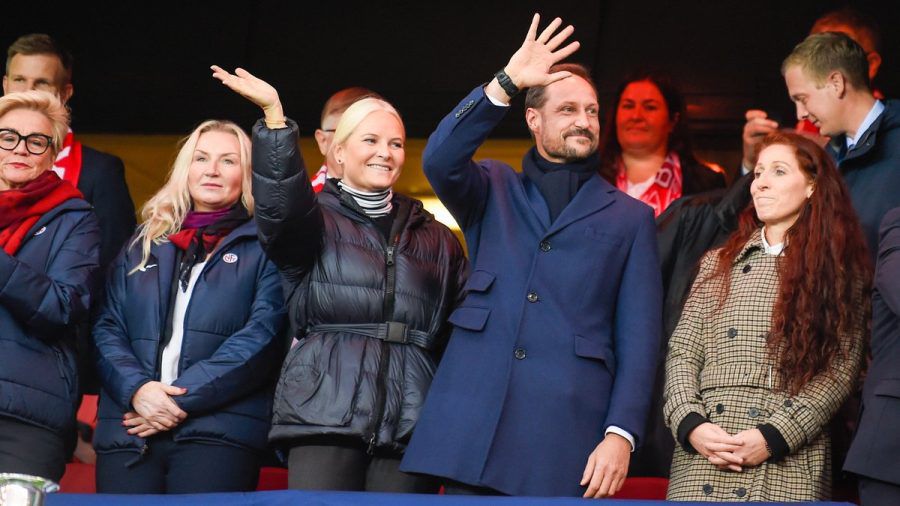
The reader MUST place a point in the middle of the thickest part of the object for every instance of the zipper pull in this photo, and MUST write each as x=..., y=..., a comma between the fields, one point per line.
x=390, y=255
x=371, y=449
x=144, y=450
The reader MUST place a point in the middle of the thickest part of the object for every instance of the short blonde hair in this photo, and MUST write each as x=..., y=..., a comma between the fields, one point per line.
x=45, y=103
x=164, y=213
x=356, y=113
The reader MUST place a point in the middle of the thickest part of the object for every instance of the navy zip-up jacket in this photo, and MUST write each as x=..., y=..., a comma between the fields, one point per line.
x=45, y=291
x=230, y=352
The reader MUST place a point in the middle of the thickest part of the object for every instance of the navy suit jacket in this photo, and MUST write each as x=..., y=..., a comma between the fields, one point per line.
x=875, y=451
x=558, y=336
x=102, y=182
x=872, y=170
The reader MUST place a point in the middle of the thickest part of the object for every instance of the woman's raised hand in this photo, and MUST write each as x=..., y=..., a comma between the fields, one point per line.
x=530, y=65
x=255, y=90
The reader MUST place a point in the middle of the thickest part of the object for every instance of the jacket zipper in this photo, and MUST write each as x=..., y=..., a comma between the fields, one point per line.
x=385, y=363
x=162, y=341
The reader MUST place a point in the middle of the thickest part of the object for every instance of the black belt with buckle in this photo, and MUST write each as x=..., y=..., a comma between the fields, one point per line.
x=391, y=332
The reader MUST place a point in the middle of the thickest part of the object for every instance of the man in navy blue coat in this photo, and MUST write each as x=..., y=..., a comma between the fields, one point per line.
x=545, y=385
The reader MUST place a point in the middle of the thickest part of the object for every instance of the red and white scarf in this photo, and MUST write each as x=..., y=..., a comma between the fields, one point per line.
x=68, y=162
x=318, y=181
x=666, y=186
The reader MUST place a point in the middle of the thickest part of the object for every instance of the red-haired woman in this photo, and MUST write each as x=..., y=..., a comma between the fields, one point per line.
x=771, y=339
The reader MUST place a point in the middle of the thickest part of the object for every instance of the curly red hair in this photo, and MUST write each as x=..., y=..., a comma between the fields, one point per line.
x=825, y=272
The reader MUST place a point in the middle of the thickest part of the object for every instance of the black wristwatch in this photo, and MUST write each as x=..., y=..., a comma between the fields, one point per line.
x=506, y=83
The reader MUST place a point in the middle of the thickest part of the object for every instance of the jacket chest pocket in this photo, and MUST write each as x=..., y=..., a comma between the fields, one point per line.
x=471, y=316
x=602, y=238
x=479, y=282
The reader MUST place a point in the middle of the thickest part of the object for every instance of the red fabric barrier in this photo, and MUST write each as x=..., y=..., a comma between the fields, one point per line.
x=79, y=479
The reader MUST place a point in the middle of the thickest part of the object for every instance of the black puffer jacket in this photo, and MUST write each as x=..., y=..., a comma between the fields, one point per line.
x=338, y=266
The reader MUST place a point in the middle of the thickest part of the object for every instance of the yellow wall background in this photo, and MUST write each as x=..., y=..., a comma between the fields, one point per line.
x=148, y=159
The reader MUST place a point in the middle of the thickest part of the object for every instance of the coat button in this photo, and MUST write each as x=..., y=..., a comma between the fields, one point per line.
x=753, y=412
x=740, y=492
x=545, y=246
x=519, y=354
x=532, y=297
x=720, y=408
x=707, y=489
x=732, y=332
x=788, y=403
x=746, y=268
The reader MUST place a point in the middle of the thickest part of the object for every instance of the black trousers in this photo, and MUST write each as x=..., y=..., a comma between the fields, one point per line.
x=29, y=449
x=168, y=467
x=878, y=493
x=344, y=464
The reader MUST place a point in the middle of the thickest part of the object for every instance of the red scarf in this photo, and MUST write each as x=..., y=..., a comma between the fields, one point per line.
x=666, y=187
x=200, y=233
x=21, y=208
x=68, y=161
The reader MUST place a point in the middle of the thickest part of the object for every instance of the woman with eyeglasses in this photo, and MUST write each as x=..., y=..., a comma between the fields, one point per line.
x=49, y=255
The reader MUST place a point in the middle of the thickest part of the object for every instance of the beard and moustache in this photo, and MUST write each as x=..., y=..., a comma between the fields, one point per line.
x=558, y=148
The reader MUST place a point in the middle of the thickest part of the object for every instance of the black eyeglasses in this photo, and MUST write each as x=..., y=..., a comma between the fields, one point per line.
x=36, y=144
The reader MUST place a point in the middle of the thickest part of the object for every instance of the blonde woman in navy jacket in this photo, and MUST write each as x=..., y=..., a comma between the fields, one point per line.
x=186, y=338
x=49, y=250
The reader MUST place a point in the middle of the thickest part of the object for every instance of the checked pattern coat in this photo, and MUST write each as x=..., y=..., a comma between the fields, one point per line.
x=719, y=367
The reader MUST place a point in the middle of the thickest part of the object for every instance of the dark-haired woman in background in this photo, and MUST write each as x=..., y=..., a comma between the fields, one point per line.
x=647, y=154
x=646, y=149
x=770, y=342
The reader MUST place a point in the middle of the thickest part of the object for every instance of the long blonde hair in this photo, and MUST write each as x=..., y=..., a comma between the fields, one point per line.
x=164, y=213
